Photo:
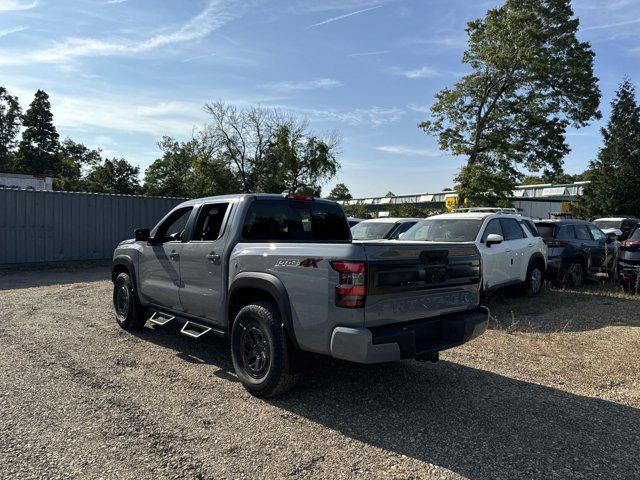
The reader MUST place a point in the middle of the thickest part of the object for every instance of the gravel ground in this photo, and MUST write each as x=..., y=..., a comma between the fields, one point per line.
x=552, y=390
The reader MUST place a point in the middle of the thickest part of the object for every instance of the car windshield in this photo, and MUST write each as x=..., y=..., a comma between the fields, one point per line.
x=371, y=230
x=546, y=229
x=444, y=230
x=607, y=223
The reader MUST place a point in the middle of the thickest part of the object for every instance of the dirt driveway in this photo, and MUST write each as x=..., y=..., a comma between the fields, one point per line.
x=551, y=391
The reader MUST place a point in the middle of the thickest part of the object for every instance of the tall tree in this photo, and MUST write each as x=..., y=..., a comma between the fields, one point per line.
x=241, y=137
x=113, y=176
x=74, y=160
x=531, y=78
x=10, y=117
x=189, y=169
x=615, y=174
x=303, y=161
x=38, y=149
x=340, y=192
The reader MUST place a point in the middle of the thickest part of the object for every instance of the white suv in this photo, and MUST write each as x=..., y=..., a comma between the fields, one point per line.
x=511, y=248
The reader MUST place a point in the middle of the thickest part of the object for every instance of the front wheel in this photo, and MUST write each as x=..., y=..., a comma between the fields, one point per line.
x=260, y=351
x=535, y=280
x=129, y=314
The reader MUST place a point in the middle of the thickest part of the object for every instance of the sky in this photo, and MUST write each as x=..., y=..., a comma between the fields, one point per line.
x=123, y=73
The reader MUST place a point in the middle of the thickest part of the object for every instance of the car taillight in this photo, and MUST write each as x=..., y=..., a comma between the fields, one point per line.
x=554, y=242
x=630, y=245
x=298, y=196
x=351, y=289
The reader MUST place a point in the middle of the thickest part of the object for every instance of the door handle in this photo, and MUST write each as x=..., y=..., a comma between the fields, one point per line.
x=175, y=255
x=213, y=256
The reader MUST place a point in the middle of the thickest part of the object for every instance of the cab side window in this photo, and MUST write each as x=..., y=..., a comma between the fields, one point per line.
x=492, y=227
x=210, y=221
x=597, y=233
x=566, y=232
x=172, y=229
x=582, y=233
x=512, y=229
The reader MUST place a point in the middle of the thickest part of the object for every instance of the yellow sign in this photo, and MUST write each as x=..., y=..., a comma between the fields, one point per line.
x=451, y=202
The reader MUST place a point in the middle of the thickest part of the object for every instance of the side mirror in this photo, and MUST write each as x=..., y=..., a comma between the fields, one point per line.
x=494, y=239
x=141, y=234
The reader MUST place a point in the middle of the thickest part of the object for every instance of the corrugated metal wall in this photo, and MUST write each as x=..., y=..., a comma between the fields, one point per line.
x=61, y=226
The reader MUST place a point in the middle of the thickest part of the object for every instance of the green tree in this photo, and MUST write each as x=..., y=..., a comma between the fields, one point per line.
x=303, y=162
x=531, y=78
x=241, y=137
x=410, y=210
x=340, y=192
x=74, y=159
x=615, y=174
x=10, y=117
x=113, y=176
x=357, y=211
x=189, y=170
x=38, y=150
x=172, y=175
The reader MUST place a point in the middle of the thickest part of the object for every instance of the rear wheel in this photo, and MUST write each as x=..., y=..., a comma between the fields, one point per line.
x=260, y=351
x=129, y=314
x=574, y=276
x=535, y=279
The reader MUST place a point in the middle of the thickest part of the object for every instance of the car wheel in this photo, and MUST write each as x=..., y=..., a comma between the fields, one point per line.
x=535, y=280
x=129, y=314
x=575, y=274
x=260, y=351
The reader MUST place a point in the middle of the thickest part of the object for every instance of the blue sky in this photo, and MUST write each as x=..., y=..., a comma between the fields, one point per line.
x=122, y=73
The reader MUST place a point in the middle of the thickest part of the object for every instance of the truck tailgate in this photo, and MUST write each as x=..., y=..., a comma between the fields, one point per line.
x=409, y=281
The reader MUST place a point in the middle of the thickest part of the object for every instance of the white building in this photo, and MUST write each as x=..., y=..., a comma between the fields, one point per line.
x=17, y=181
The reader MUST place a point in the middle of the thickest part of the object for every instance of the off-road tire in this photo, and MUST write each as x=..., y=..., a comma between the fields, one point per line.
x=129, y=314
x=260, y=351
x=535, y=279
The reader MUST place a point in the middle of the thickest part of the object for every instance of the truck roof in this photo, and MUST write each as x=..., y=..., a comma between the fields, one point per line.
x=238, y=196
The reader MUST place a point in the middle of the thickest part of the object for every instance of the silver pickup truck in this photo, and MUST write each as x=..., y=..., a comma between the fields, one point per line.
x=279, y=276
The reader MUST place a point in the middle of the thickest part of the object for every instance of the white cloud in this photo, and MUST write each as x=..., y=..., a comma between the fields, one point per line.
x=373, y=116
x=294, y=86
x=346, y=15
x=113, y=2
x=409, y=151
x=367, y=54
x=416, y=73
x=11, y=5
x=214, y=16
x=9, y=31
x=611, y=25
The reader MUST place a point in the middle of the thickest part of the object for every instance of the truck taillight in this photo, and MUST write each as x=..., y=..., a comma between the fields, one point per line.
x=351, y=289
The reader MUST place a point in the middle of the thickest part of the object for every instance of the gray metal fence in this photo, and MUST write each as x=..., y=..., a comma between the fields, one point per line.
x=38, y=226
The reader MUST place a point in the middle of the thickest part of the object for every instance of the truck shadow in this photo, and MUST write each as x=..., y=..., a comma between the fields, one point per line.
x=473, y=422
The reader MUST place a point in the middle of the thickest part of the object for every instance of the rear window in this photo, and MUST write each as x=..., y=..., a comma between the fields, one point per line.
x=282, y=220
x=636, y=234
x=545, y=229
x=444, y=230
x=371, y=230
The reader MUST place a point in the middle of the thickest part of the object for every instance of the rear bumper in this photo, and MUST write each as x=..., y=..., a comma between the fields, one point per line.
x=419, y=338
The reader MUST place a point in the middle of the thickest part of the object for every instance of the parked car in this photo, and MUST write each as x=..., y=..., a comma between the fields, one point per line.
x=382, y=228
x=511, y=248
x=629, y=261
x=577, y=250
x=620, y=227
x=279, y=275
x=354, y=221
